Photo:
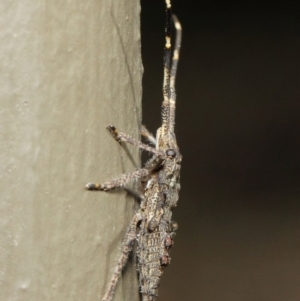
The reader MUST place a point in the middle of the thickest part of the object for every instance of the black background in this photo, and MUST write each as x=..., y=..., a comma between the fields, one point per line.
x=238, y=129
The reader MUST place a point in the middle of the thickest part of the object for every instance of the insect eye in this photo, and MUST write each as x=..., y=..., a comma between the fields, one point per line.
x=170, y=152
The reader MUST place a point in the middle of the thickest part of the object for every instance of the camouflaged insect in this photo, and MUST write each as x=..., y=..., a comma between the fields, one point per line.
x=152, y=226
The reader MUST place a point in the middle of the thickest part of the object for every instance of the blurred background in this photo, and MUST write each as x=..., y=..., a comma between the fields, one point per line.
x=238, y=129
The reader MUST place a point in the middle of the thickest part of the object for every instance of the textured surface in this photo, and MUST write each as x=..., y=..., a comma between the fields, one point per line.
x=68, y=69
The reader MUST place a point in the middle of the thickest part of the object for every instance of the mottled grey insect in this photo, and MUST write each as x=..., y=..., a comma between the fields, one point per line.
x=152, y=226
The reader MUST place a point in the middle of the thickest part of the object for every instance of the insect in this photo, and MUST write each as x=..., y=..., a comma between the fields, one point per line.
x=152, y=226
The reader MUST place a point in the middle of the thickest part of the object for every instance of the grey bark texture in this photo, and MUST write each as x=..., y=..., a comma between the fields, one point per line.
x=68, y=68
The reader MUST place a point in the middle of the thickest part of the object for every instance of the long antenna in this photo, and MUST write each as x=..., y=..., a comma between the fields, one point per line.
x=172, y=95
x=167, y=70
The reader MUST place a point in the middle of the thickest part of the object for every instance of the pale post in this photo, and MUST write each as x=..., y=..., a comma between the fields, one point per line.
x=68, y=68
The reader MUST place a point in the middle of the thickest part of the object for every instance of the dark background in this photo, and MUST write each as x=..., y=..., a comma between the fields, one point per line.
x=238, y=129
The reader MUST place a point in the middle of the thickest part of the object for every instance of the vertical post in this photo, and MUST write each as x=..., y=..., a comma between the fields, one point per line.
x=68, y=69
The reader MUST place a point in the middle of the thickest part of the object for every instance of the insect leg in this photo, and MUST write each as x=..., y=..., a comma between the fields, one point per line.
x=135, y=194
x=148, y=135
x=122, y=137
x=129, y=239
x=120, y=181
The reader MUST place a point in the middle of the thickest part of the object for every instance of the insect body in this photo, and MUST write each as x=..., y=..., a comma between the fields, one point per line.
x=152, y=226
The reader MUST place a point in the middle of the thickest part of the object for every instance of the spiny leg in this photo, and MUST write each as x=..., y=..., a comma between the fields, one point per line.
x=123, y=179
x=120, y=181
x=122, y=137
x=172, y=92
x=148, y=135
x=153, y=163
x=129, y=239
x=135, y=194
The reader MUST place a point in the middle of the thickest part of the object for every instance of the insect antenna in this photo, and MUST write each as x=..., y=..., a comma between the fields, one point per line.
x=167, y=70
x=172, y=94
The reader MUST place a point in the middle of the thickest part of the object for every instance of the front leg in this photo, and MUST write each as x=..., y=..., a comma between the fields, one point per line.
x=122, y=137
x=148, y=135
x=126, y=249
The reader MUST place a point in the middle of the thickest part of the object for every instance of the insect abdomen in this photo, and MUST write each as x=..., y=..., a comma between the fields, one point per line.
x=153, y=257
